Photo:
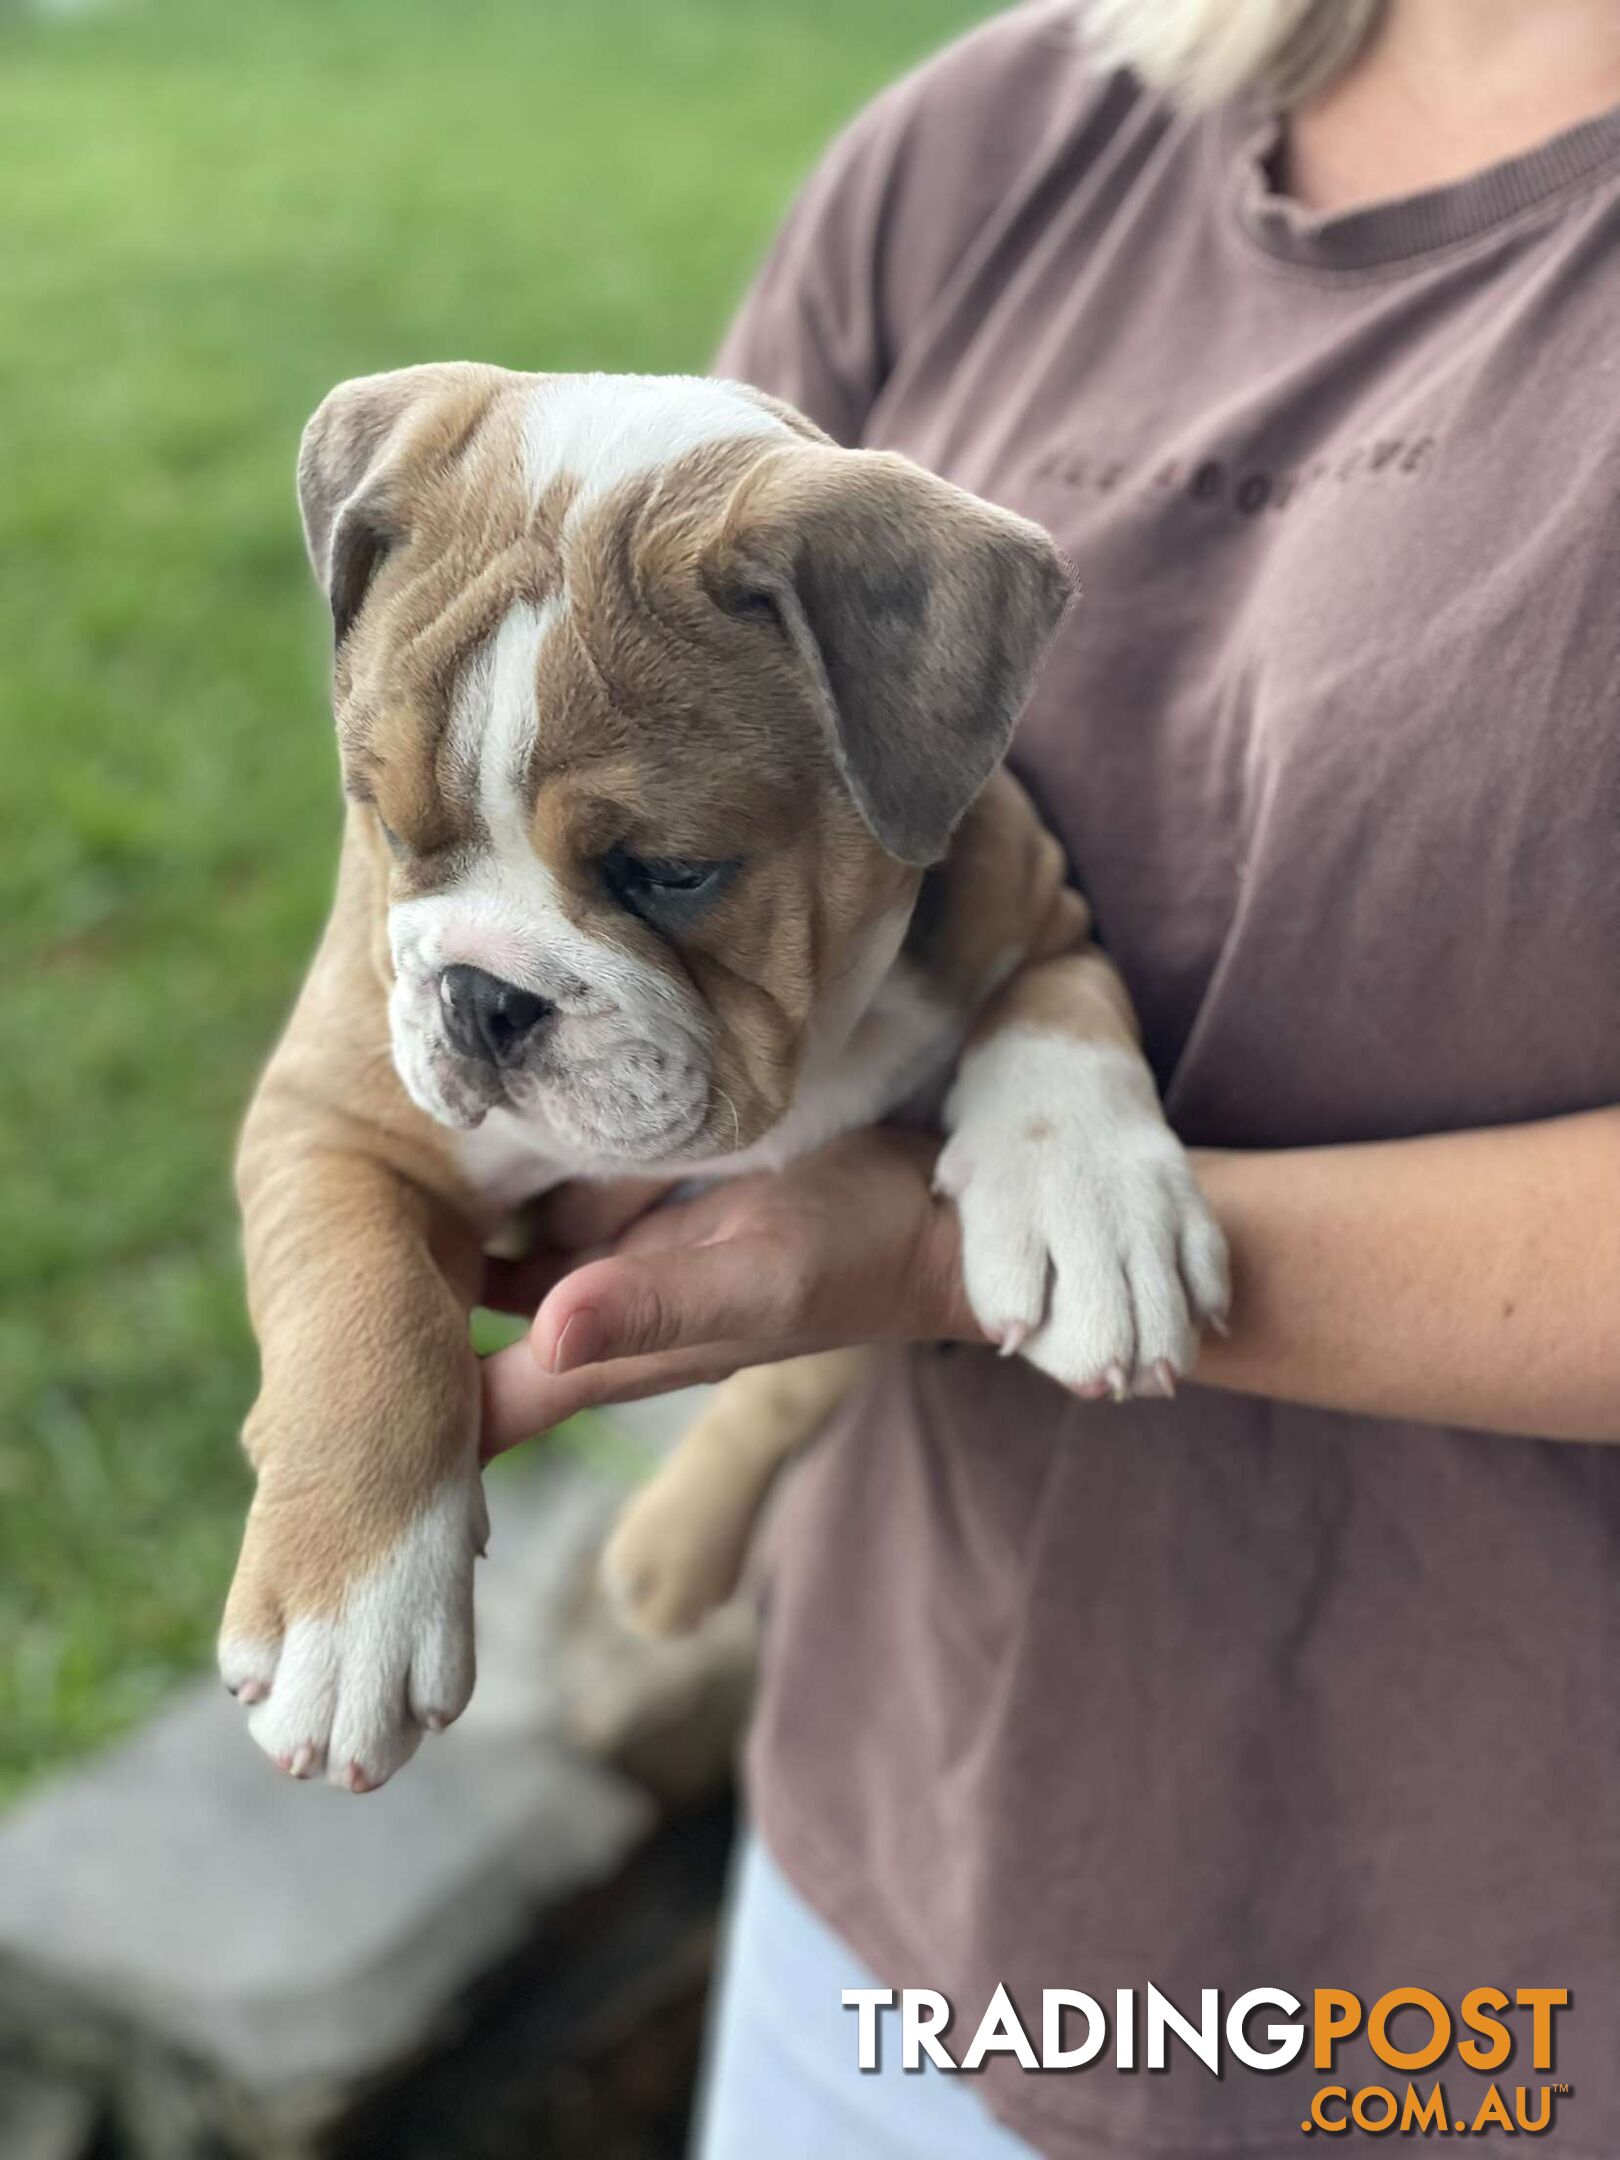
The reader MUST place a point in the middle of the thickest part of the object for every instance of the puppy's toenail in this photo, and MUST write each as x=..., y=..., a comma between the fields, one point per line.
x=251, y=1691
x=356, y=1780
x=1013, y=1338
x=304, y=1761
x=434, y=1720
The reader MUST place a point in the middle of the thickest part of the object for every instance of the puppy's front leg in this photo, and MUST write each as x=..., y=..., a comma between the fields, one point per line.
x=349, y=1624
x=1086, y=1243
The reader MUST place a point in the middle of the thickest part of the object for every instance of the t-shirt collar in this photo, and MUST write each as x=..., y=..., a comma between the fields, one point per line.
x=1408, y=226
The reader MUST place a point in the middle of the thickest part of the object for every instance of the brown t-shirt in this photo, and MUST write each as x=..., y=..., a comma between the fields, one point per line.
x=1219, y=1692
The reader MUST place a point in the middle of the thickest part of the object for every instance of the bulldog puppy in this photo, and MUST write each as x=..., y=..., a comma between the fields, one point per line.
x=665, y=727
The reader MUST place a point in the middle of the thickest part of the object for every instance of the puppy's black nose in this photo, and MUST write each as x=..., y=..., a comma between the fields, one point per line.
x=488, y=1018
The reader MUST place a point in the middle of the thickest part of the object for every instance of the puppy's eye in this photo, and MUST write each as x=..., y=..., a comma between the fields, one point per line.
x=663, y=889
x=664, y=876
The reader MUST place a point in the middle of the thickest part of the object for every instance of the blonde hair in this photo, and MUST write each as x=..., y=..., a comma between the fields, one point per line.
x=1204, y=50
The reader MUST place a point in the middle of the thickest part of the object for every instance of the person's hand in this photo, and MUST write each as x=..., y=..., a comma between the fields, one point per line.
x=849, y=1245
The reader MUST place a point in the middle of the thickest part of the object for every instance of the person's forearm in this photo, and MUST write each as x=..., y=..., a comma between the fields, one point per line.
x=1466, y=1279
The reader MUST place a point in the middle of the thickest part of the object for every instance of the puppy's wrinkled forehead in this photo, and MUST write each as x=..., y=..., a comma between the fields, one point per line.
x=667, y=557
x=538, y=613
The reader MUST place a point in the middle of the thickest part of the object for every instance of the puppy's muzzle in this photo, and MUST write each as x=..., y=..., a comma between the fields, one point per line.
x=489, y=1019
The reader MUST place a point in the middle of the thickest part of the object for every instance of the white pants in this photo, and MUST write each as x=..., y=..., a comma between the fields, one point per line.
x=784, y=2081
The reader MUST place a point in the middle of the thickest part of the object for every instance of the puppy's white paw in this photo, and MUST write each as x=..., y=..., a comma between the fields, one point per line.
x=1086, y=1243
x=349, y=1690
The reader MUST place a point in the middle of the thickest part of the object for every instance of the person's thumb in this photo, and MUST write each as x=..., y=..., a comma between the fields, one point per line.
x=640, y=1304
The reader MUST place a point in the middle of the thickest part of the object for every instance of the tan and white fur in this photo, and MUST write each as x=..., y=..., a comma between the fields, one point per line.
x=677, y=843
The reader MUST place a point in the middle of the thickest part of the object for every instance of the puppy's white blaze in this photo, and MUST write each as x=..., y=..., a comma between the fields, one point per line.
x=345, y=1688
x=507, y=913
x=469, y=710
x=495, y=717
x=600, y=430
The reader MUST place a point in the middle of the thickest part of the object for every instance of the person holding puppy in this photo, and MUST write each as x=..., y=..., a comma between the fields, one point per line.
x=1296, y=322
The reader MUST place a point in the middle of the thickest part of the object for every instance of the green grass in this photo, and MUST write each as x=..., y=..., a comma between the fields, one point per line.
x=208, y=214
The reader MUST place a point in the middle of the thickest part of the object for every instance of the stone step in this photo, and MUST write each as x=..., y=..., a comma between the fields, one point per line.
x=179, y=1901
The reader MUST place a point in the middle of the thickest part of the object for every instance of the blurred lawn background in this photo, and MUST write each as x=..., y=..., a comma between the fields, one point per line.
x=208, y=214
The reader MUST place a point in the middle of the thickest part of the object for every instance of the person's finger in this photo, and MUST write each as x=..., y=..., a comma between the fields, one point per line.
x=521, y=1286
x=711, y=1213
x=522, y=1400
x=580, y=1213
x=641, y=1304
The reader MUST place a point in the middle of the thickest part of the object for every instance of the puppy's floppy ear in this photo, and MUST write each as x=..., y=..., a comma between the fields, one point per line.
x=920, y=613
x=350, y=465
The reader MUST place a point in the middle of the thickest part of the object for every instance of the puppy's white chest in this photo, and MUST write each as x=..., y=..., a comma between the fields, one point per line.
x=507, y=1161
x=897, y=1056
